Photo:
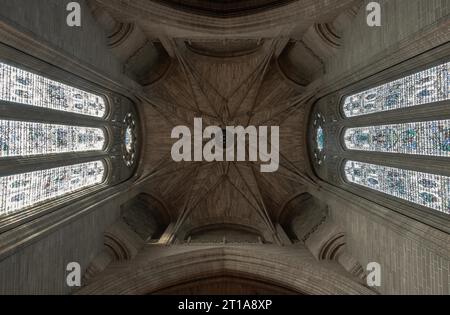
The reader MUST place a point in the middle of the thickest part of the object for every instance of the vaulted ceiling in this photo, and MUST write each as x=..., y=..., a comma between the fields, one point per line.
x=230, y=63
x=224, y=91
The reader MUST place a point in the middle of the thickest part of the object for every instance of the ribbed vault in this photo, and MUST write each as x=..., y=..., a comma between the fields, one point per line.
x=229, y=70
x=247, y=89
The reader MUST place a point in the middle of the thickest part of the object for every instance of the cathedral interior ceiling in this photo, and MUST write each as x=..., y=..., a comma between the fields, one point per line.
x=225, y=68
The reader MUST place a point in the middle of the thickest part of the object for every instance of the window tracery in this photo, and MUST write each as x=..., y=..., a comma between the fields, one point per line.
x=21, y=138
x=21, y=86
x=129, y=141
x=27, y=144
x=424, y=87
x=319, y=138
x=20, y=191
x=420, y=138
x=412, y=148
x=429, y=190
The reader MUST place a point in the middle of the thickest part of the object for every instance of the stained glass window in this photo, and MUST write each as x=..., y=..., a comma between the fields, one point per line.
x=427, y=86
x=425, y=189
x=20, y=86
x=421, y=138
x=129, y=139
x=20, y=138
x=320, y=138
x=20, y=191
x=130, y=136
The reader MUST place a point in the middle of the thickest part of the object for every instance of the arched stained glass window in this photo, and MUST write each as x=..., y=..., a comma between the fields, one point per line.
x=20, y=86
x=20, y=191
x=429, y=190
x=33, y=151
x=421, y=138
x=424, y=87
x=20, y=138
x=390, y=143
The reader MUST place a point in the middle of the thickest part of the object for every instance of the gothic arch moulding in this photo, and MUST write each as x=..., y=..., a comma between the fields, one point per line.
x=308, y=277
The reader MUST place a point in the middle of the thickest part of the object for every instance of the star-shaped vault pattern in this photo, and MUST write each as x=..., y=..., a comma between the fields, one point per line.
x=248, y=89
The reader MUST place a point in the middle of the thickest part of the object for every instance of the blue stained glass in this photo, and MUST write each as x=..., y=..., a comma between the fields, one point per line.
x=320, y=138
x=129, y=139
x=429, y=190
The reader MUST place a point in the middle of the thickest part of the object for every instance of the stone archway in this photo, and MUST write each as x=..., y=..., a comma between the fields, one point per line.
x=176, y=265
